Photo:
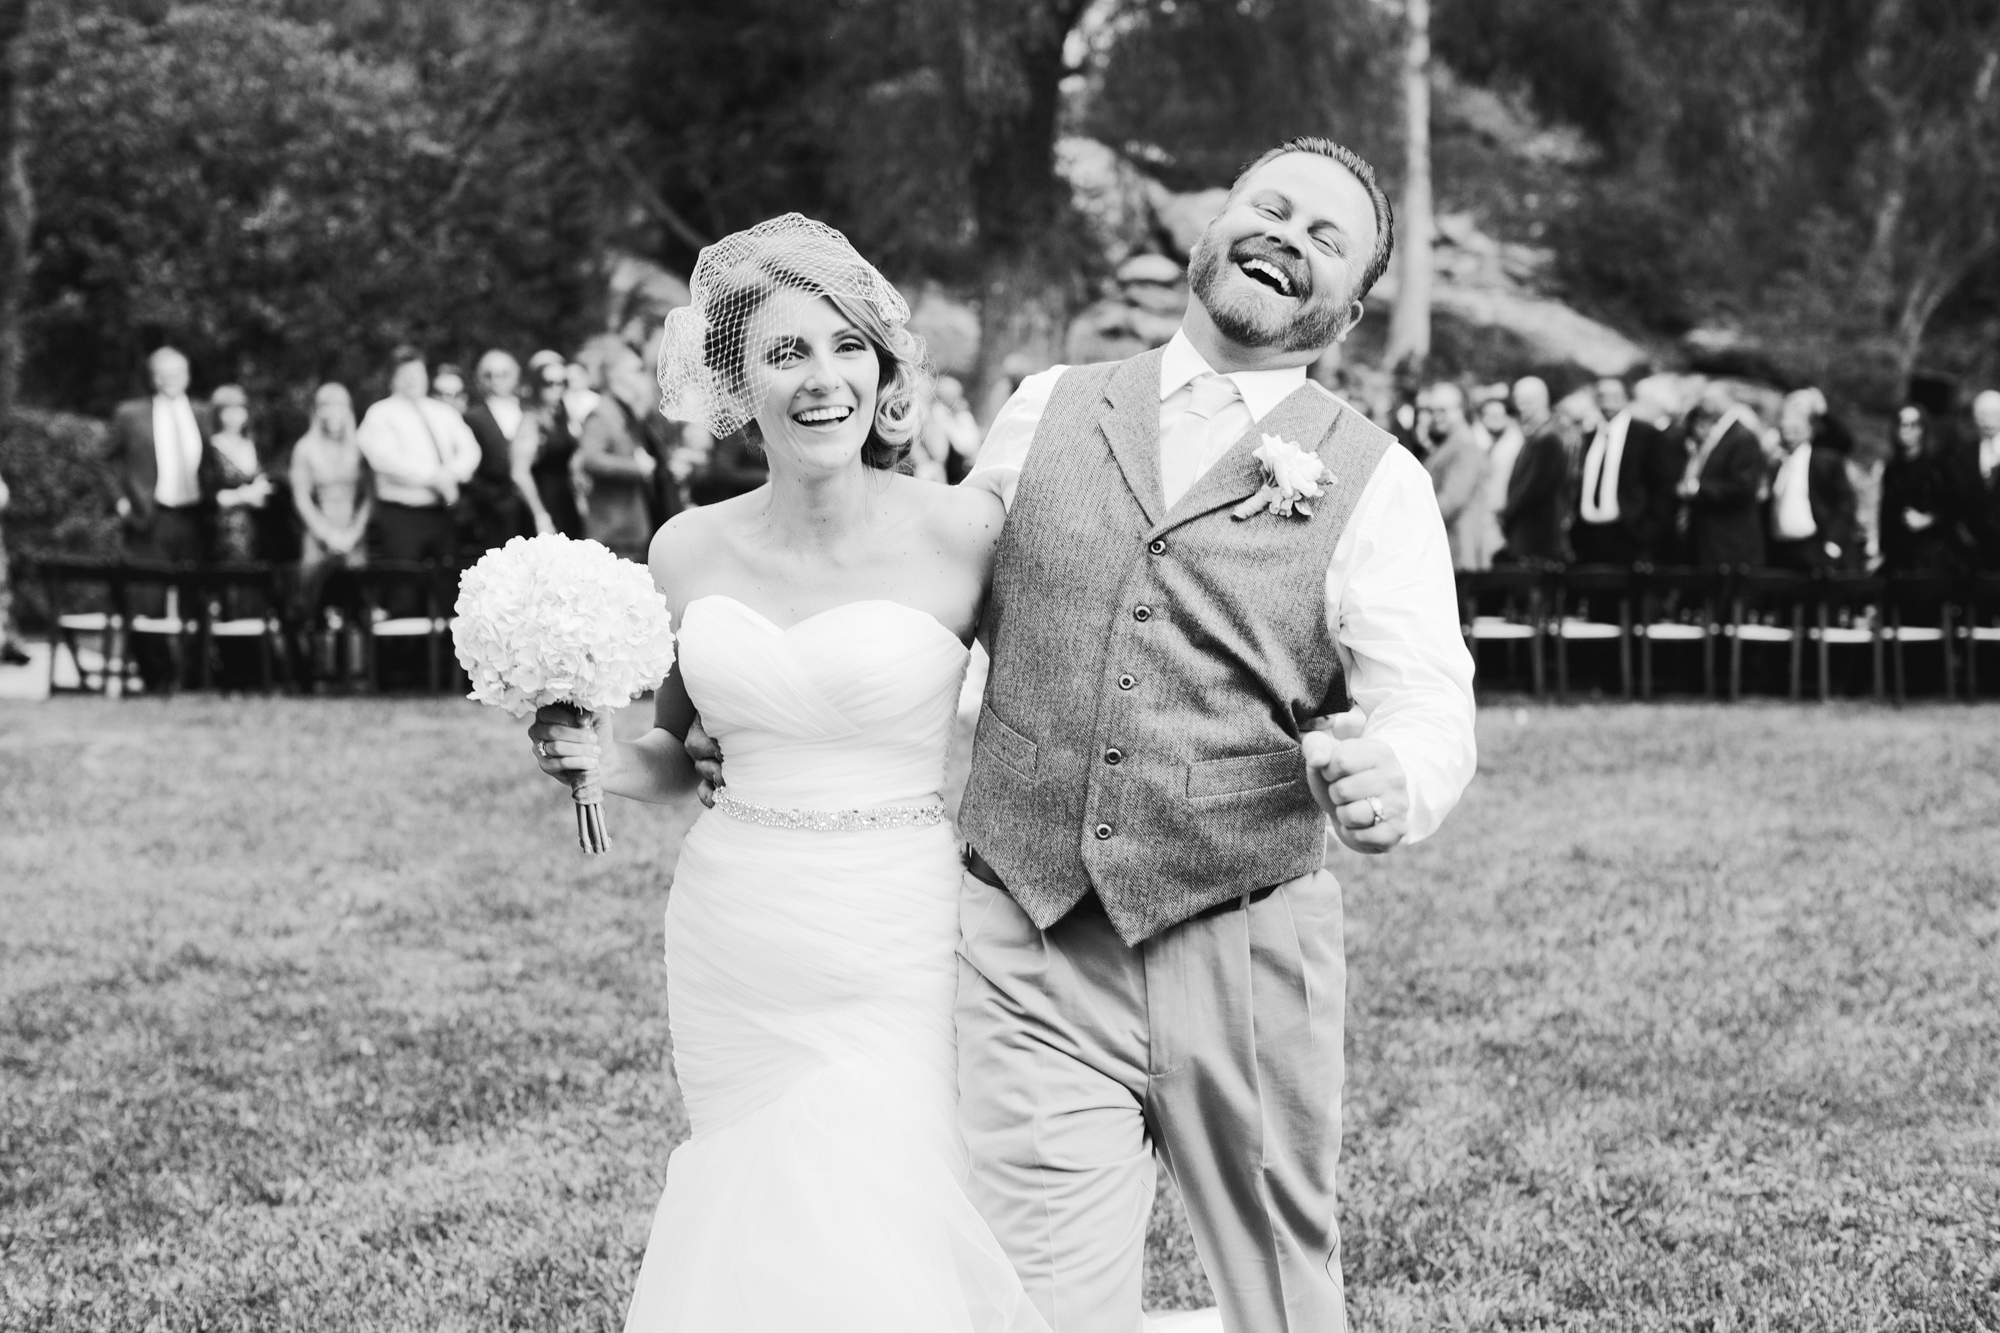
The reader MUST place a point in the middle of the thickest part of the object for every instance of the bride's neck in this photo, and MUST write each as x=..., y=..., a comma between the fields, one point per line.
x=820, y=512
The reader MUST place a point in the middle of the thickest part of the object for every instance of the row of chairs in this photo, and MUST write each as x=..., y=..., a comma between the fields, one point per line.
x=103, y=612
x=1545, y=610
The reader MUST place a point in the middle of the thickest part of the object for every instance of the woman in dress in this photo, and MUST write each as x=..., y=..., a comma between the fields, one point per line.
x=245, y=489
x=333, y=497
x=824, y=620
x=555, y=443
x=1913, y=540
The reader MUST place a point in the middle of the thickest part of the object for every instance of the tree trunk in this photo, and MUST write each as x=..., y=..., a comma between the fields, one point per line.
x=16, y=205
x=1009, y=58
x=1410, y=323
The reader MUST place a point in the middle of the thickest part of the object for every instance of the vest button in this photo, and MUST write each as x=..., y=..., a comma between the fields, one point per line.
x=1127, y=681
x=1142, y=613
x=1103, y=832
x=1157, y=547
x=1114, y=757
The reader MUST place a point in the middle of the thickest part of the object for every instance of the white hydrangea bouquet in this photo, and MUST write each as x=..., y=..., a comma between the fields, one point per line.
x=547, y=620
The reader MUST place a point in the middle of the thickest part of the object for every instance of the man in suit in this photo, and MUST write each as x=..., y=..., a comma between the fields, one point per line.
x=1612, y=502
x=1812, y=511
x=1722, y=483
x=499, y=511
x=1971, y=496
x=1538, y=489
x=168, y=478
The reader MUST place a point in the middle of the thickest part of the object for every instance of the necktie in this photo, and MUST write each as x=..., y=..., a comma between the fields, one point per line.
x=1184, y=453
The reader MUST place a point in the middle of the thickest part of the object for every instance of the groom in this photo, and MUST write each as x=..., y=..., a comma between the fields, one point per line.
x=1152, y=959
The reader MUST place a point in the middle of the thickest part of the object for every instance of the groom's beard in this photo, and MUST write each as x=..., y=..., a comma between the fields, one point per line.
x=1313, y=326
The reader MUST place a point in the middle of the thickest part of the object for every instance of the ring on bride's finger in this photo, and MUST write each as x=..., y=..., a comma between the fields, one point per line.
x=541, y=750
x=1381, y=816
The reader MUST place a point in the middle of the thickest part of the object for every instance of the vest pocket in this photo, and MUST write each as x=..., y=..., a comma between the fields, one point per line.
x=1250, y=772
x=1009, y=746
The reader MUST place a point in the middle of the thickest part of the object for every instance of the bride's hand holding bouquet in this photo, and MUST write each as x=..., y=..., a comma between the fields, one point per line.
x=568, y=631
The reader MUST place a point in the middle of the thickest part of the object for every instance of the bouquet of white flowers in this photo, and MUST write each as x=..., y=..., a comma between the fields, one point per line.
x=546, y=620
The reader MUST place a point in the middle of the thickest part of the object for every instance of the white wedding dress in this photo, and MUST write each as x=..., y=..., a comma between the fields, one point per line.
x=810, y=981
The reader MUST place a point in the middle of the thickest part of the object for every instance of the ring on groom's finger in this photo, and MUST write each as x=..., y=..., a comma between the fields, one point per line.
x=1381, y=816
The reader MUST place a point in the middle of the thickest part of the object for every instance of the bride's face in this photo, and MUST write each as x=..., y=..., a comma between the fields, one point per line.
x=813, y=378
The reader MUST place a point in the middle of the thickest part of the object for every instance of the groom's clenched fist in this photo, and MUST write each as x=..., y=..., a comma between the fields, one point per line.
x=1359, y=783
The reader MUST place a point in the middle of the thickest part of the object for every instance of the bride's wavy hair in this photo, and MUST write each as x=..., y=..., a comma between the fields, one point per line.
x=902, y=389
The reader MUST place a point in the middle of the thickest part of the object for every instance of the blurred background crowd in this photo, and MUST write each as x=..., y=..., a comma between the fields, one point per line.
x=1714, y=284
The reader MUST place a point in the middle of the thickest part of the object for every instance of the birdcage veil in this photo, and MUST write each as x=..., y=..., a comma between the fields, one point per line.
x=703, y=376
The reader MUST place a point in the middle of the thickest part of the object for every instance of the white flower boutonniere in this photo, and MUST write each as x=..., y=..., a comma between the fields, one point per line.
x=1291, y=477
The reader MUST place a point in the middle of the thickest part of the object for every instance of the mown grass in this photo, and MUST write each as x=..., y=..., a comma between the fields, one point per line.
x=311, y=1017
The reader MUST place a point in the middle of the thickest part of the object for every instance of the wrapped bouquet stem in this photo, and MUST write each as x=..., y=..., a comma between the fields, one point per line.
x=549, y=621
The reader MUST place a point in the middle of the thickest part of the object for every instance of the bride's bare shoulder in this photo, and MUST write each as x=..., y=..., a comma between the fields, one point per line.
x=691, y=542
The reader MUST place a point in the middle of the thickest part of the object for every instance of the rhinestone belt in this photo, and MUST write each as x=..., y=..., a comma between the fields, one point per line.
x=830, y=821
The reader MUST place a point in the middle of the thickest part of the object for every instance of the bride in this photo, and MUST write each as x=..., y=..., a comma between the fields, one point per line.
x=812, y=928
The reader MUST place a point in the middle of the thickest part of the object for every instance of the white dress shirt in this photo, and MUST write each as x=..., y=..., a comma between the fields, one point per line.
x=1989, y=456
x=1600, y=471
x=176, y=452
x=1390, y=597
x=405, y=440
x=1791, y=493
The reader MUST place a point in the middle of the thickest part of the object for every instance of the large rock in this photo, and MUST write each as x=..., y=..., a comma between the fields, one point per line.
x=1180, y=219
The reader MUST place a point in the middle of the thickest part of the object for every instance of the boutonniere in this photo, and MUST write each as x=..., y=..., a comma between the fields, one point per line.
x=1291, y=477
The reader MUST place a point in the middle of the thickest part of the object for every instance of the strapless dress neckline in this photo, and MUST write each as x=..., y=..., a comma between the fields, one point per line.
x=796, y=625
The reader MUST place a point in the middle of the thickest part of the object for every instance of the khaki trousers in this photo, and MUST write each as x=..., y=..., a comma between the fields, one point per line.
x=1215, y=1045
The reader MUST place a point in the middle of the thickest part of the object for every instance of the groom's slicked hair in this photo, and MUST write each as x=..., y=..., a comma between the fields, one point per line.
x=1385, y=217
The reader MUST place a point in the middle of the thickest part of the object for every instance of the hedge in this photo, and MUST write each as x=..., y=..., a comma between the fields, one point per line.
x=64, y=492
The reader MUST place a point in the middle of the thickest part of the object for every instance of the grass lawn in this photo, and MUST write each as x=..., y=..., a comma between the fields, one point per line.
x=312, y=1017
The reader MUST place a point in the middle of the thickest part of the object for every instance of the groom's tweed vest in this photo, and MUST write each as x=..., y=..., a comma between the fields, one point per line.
x=1153, y=668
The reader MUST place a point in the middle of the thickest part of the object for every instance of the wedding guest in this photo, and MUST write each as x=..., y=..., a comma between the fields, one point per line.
x=421, y=454
x=1499, y=438
x=1612, y=501
x=558, y=434
x=1662, y=530
x=332, y=494
x=1971, y=489
x=945, y=447
x=243, y=487
x=580, y=397
x=169, y=476
x=1913, y=537
x=1813, y=521
x=500, y=508
x=614, y=467
x=1457, y=466
x=734, y=466
x=11, y=651
x=1535, y=514
x=448, y=387
x=1722, y=481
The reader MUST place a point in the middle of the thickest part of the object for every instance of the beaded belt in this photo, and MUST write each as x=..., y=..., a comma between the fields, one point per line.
x=830, y=821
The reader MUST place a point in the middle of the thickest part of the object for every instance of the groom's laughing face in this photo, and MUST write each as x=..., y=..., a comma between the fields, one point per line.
x=1280, y=266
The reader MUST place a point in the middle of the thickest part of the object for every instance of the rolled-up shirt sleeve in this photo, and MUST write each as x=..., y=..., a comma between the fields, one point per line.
x=1392, y=605
x=998, y=468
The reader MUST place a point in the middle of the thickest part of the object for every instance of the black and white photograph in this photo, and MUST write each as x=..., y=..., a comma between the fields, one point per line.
x=999, y=666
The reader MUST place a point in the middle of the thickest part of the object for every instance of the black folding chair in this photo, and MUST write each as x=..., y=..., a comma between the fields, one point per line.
x=1847, y=612
x=1678, y=605
x=162, y=600
x=1919, y=609
x=242, y=602
x=1979, y=602
x=1506, y=605
x=402, y=601
x=1580, y=596
x=87, y=612
x=1767, y=607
